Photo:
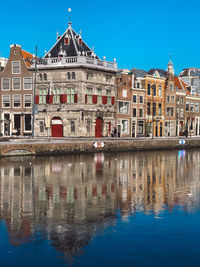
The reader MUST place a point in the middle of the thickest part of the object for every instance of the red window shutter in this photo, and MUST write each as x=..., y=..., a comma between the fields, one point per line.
x=36, y=99
x=94, y=99
x=76, y=98
x=63, y=98
x=85, y=98
x=104, y=99
x=113, y=100
x=66, y=41
x=49, y=99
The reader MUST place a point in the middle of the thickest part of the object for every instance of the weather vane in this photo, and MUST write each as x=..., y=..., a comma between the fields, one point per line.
x=69, y=10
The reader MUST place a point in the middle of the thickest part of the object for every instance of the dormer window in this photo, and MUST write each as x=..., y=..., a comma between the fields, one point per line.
x=80, y=41
x=66, y=39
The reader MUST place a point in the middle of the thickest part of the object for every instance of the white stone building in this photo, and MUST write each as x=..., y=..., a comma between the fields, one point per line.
x=75, y=91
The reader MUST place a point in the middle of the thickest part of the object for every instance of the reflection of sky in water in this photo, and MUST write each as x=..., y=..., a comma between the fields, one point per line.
x=139, y=209
x=181, y=154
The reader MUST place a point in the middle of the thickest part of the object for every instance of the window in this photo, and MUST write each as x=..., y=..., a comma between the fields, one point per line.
x=108, y=93
x=172, y=98
x=42, y=96
x=138, y=85
x=148, y=108
x=6, y=101
x=40, y=76
x=141, y=99
x=149, y=89
x=168, y=110
x=154, y=109
x=154, y=89
x=125, y=126
x=181, y=113
x=70, y=95
x=28, y=83
x=15, y=67
x=16, y=84
x=16, y=101
x=99, y=96
x=27, y=122
x=45, y=77
x=41, y=126
x=123, y=107
x=160, y=109
x=89, y=76
x=141, y=112
x=134, y=99
x=134, y=112
x=5, y=84
x=168, y=98
x=89, y=95
x=72, y=126
x=177, y=112
x=108, y=78
x=197, y=107
x=27, y=101
x=124, y=93
x=171, y=87
x=187, y=105
x=192, y=106
x=140, y=127
x=160, y=90
x=56, y=95
x=177, y=100
x=172, y=112
x=182, y=100
x=73, y=76
x=69, y=76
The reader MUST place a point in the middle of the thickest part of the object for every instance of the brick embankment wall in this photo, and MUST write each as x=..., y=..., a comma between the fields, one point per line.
x=88, y=146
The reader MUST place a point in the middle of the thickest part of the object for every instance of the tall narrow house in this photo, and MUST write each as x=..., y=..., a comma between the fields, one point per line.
x=75, y=90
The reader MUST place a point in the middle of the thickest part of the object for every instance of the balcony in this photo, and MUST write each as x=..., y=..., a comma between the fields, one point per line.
x=44, y=63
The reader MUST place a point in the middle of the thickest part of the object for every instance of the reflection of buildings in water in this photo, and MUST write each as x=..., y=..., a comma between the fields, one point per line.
x=70, y=197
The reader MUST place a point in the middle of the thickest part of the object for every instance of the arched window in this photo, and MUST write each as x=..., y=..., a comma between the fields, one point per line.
x=69, y=75
x=45, y=76
x=73, y=76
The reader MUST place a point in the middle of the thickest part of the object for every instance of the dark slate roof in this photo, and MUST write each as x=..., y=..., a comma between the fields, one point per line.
x=139, y=73
x=71, y=50
x=190, y=72
x=163, y=73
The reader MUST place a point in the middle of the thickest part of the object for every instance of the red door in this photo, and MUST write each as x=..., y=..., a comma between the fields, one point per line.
x=98, y=128
x=56, y=127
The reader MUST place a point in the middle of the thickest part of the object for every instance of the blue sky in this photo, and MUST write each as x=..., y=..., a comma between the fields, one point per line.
x=139, y=34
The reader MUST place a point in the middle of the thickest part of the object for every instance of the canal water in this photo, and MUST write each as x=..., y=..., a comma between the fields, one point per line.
x=126, y=209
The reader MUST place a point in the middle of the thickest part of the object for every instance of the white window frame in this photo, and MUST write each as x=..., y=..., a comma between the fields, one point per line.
x=123, y=108
x=126, y=130
x=2, y=83
x=20, y=100
x=25, y=101
x=30, y=83
x=2, y=101
x=19, y=67
x=124, y=92
x=13, y=83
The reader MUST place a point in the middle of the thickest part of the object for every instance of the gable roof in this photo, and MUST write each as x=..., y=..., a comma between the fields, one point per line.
x=73, y=49
x=27, y=57
x=180, y=84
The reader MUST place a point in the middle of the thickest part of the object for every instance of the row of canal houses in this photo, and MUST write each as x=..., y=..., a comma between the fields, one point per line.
x=71, y=92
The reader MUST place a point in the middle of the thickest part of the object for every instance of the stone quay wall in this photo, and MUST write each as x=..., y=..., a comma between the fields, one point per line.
x=87, y=146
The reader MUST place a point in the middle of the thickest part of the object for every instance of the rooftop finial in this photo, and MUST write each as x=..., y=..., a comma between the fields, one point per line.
x=69, y=23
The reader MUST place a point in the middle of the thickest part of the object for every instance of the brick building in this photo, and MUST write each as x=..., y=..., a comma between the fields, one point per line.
x=75, y=90
x=138, y=106
x=154, y=84
x=124, y=97
x=16, y=93
x=170, y=102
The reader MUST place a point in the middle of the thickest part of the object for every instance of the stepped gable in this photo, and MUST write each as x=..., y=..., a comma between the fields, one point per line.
x=70, y=44
x=162, y=73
